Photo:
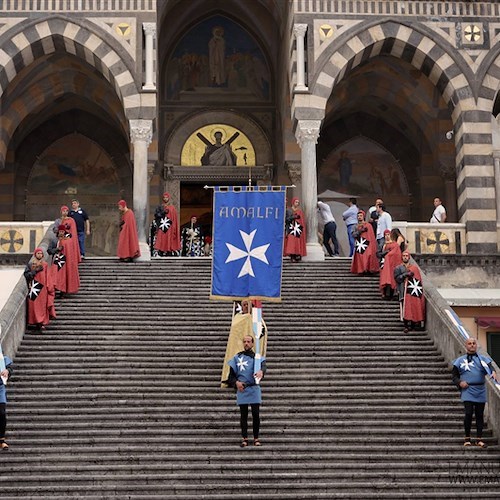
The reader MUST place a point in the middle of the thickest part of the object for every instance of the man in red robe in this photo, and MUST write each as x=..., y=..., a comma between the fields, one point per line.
x=40, y=291
x=295, y=232
x=391, y=258
x=71, y=230
x=65, y=266
x=128, y=241
x=411, y=293
x=364, y=260
x=168, y=240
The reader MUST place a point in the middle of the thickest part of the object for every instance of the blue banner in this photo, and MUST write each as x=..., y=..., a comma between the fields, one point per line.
x=247, y=252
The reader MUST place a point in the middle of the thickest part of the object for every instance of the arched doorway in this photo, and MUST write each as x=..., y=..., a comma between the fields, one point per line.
x=393, y=121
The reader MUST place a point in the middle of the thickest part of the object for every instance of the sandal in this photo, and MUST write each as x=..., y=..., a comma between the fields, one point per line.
x=467, y=442
x=256, y=442
x=244, y=443
x=4, y=446
x=481, y=444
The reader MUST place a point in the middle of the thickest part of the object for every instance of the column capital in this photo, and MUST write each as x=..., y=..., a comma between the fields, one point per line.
x=299, y=30
x=294, y=171
x=149, y=29
x=141, y=130
x=307, y=130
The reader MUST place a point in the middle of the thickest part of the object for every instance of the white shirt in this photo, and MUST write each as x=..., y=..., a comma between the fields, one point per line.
x=437, y=215
x=384, y=222
x=326, y=212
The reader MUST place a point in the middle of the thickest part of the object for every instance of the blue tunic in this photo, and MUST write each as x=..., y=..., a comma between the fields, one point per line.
x=473, y=372
x=3, y=395
x=243, y=366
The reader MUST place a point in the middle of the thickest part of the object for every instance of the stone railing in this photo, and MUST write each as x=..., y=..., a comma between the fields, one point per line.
x=21, y=237
x=426, y=238
x=13, y=313
x=446, y=337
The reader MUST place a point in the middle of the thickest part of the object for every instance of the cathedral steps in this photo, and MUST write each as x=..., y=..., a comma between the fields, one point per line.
x=120, y=396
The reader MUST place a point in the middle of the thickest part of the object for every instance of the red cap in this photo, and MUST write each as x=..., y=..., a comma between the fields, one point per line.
x=122, y=203
x=387, y=231
x=64, y=207
x=61, y=227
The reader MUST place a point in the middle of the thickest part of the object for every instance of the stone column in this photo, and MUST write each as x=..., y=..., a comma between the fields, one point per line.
x=299, y=30
x=141, y=135
x=150, y=33
x=496, y=159
x=448, y=170
x=307, y=134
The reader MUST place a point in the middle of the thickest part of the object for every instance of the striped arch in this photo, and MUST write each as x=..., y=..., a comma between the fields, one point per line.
x=474, y=164
x=38, y=95
x=47, y=36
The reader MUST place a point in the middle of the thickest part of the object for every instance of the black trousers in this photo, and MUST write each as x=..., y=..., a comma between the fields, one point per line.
x=255, y=420
x=470, y=407
x=3, y=420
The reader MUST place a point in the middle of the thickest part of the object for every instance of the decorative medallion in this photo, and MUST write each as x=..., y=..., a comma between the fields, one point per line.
x=325, y=31
x=11, y=241
x=437, y=242
x=473, y=34
x=123, y=29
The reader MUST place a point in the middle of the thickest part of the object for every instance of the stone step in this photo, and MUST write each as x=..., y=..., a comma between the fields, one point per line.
x=120, y=396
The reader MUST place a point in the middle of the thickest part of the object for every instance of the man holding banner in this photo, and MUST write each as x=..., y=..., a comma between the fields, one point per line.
x=245, y=377
x=247, y=265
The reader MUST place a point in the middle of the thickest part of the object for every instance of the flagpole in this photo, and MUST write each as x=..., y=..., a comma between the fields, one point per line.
x=257, y=331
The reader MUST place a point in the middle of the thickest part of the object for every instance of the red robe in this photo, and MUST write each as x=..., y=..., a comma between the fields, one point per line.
x=414, y=300
x=41, y=297
x=70, y=223
x=169, y=240
x=365, y=258
x=128, y=241
x=391, y=261
x=295, y=239
x=65, y=267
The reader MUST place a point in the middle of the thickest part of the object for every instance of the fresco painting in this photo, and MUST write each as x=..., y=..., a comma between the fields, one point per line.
x=217, y=59
x=74, y=164
x=362, y=168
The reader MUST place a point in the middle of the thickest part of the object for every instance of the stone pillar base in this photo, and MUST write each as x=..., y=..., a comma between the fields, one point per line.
x=315, y=253
x=145, y=252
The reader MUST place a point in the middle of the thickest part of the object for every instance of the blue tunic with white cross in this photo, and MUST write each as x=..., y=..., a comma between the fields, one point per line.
x=473, y=372
x=243, y=366
x=3, y=395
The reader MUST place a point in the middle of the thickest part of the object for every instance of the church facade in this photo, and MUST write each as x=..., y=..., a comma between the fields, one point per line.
x=109, y=99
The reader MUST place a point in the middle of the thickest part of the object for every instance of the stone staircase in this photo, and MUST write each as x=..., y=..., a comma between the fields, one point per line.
x=120, y=396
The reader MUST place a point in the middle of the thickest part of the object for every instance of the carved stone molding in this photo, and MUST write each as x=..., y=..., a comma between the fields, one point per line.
x=151, y=171
x=149, y=29
x=220, y=175
x=294, y=172
x=307, y=130
x=141, y=130
x=299, y=29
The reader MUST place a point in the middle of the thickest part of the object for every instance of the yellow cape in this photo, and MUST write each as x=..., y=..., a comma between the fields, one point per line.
x=241, y=326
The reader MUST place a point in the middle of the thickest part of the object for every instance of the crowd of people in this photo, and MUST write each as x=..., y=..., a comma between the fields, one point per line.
x=375, y=247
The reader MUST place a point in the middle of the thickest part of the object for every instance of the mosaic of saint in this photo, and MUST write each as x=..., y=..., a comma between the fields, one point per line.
x=218, y=145
x=217, y=59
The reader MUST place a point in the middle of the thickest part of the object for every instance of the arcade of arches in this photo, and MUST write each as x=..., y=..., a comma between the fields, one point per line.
x=172, y=96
